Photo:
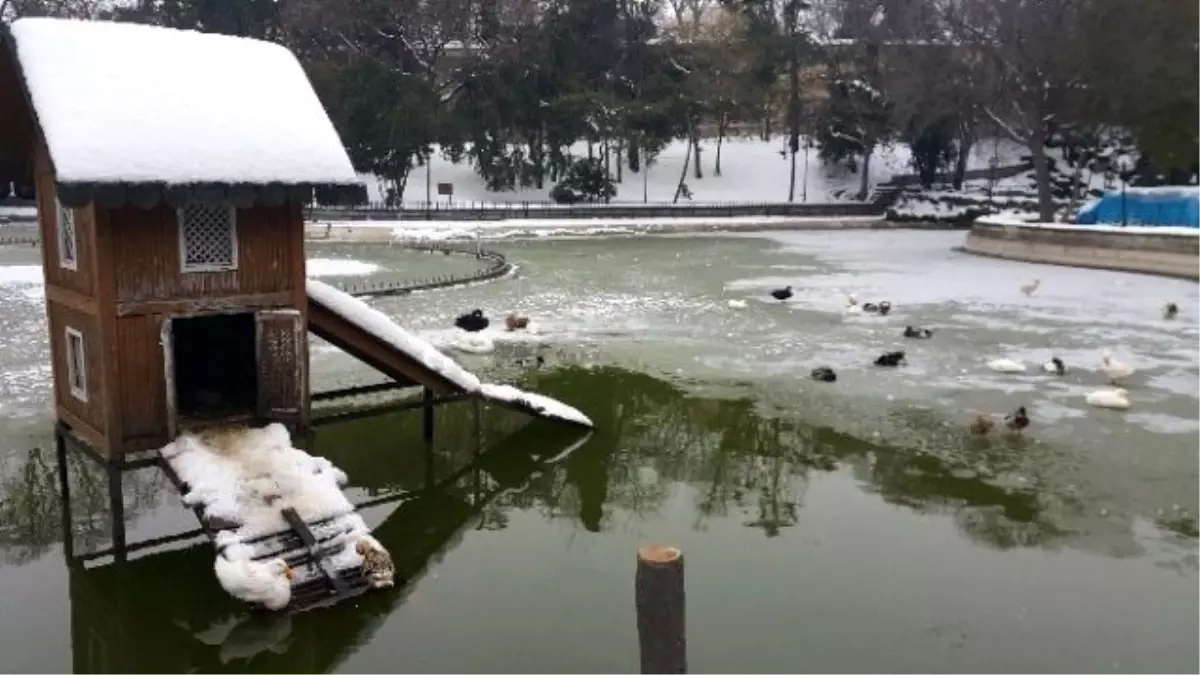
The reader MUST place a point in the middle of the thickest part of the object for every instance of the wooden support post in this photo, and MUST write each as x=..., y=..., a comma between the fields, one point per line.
x=116, y=506
x=64, y=493
x=427, y=415
x=659, y=595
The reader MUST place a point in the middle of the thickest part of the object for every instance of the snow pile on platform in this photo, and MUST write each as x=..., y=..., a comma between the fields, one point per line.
x=124, y=102
x=247, y=477
x=378, y=324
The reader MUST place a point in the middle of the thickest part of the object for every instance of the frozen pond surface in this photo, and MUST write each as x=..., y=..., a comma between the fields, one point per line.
x=913, y=547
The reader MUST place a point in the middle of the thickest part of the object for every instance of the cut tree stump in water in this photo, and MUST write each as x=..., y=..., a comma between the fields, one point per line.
x=659, y=594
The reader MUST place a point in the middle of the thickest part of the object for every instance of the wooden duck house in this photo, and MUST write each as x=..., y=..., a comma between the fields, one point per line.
x=171, y=168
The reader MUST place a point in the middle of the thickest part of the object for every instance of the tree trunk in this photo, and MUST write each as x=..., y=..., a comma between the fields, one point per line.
x=864, y=185
x=687, y=157
x=696, y=150
x=604, y=151
x=620, y=155
x=591, y=150
x=960, y=163
x=645, y=182
x=1041, y=171
x=792, y=180
x=722, y=122
x=635, y=156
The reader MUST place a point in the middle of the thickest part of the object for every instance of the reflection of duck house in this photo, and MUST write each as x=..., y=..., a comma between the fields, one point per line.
x=171, y=170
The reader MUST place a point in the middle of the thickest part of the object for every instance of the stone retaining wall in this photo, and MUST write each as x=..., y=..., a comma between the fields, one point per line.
x=1173, y=255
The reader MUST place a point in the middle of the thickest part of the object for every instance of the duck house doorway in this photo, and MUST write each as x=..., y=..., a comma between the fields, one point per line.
x=212, y=363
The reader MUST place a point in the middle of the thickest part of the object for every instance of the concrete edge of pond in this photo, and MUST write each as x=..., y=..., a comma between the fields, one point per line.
x=1166, y=254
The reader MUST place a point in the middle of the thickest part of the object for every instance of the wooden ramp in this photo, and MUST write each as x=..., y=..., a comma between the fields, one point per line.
x=371, y=337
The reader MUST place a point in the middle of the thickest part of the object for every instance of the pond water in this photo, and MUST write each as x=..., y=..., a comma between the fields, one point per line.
x=847, y=526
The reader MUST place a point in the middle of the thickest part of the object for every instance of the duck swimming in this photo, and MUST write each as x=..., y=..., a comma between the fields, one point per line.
x=917, y=333
x=513, y=322
x=823, y=374
x=890, y=359
x=473, y=322
x=1114, y=369
x=782, y=293
x=1055, y=365
x=1017, y=420
x=981, y=425
x=1116, y=399
x=1031, y=287
x=1170, y=310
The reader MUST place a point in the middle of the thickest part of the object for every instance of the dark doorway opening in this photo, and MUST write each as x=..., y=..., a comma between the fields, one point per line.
x=216, y=367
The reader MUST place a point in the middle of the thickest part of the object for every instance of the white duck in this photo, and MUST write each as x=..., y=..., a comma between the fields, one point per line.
x=1117, y=399
x=852, y=306
x=268, y=583
x=1031, y=287
x=737, y=304
x=1006, y=366
x=1115, y=370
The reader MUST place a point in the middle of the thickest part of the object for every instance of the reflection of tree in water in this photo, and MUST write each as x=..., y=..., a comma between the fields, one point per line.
x=30, y=508
x=651, y=435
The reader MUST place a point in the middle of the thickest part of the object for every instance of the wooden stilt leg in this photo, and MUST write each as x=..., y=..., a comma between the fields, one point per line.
x=116, y=505
x=64, y=493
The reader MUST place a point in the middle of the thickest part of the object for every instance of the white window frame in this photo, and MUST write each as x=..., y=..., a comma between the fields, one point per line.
x=208, y=267
x=61, y=215
x=76, y=378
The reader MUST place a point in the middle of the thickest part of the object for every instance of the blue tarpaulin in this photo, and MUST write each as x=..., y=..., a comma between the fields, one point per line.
x=1167, y=206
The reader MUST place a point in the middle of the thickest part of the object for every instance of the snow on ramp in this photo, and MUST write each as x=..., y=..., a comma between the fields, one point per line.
x=383, y=328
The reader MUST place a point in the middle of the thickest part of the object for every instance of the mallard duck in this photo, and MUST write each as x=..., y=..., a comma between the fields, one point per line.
x=890, y=359
x=917, y=333
x=1055, y=365
x=1114, y=369
x=884, y=308
x=513, y=322
x=1031, y=287
x=982, y=424
x=1117, y=399
x=737, y=304
x=377, y=562
x=473, y=322
x=823, y=374
x=1017, y=420
x=1006, y=366
x=782, y=293
x=1170, y=310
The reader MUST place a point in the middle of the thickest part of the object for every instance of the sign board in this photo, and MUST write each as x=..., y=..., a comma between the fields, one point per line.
x=445, y=189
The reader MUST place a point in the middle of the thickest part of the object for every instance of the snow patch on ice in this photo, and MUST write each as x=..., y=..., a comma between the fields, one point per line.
x=339, y=267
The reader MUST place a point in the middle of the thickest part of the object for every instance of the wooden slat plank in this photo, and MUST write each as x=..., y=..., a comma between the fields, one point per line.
x=318, y=555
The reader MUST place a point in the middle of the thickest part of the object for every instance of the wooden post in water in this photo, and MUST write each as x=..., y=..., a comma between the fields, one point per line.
x=427, y=414
x=659, y=595
x=64, y=488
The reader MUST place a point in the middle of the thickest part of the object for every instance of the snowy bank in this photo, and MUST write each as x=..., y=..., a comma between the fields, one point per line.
x=243, y=478
x=541, y=228
x=383, y=328
x=1167, y=251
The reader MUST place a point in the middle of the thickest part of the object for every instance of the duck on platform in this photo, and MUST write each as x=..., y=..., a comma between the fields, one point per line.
x=890, y=359
x=917, y=333
x=782, y=293
x=377, y=562
x=473, y=322
x=268, y=583
x=823, y=374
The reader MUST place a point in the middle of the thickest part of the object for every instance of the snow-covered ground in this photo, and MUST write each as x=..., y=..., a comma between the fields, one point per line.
x=1020, y=219
x=751, y=171
x=527, y=228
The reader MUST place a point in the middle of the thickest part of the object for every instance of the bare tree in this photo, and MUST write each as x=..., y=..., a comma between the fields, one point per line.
x=1033, y=47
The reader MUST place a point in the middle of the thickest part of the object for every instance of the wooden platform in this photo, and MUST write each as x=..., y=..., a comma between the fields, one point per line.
x=307, y=549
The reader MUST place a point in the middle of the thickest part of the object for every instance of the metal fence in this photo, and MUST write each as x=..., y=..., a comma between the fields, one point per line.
x=497, y=266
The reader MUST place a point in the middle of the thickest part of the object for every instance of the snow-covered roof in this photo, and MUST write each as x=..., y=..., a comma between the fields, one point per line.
x=130, y=103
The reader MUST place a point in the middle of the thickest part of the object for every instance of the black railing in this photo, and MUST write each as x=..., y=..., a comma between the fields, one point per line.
x=497, y=266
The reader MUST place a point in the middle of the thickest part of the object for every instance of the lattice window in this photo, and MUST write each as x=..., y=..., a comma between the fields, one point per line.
x=76, y=365
x=207, y=237
x=68, y=254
